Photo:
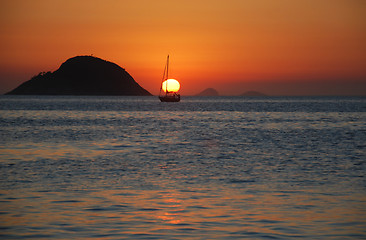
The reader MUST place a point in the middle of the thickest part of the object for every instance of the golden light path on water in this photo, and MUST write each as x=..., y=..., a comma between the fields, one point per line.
x=176, y=211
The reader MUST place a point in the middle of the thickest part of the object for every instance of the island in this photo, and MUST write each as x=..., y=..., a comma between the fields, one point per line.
x=83, y=75
x=208, y=92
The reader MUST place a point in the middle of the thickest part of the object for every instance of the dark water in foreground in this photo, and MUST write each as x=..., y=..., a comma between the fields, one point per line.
x=204, y=168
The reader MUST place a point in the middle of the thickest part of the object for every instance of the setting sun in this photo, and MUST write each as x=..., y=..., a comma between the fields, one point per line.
x=170, y=85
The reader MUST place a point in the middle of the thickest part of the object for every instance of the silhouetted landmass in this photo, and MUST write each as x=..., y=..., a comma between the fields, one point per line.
x=83, y=75
x=253, y=94
x=208, y=92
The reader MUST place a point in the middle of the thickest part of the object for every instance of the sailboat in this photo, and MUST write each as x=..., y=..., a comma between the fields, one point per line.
x=168, y=94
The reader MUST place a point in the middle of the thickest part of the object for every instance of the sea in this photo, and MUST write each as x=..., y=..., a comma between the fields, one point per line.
x=93, y=167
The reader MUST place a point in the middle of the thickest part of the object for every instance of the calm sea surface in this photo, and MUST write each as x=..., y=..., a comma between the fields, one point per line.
x=203, y=168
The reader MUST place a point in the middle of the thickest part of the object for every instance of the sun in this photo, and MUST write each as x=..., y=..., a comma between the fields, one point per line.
x=170, y=85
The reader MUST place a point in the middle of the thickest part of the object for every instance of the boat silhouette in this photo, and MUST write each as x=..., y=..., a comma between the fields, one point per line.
x=164, y=94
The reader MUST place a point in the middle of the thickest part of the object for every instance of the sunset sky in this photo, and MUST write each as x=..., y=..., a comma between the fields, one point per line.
x=279, y=47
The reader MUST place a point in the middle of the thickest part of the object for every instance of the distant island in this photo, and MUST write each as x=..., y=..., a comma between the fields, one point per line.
x=253, y=94
x=208, y=92
x=83, y=75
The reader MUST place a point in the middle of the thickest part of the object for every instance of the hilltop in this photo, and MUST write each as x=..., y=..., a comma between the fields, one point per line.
x=83, y=75
x=208, y=92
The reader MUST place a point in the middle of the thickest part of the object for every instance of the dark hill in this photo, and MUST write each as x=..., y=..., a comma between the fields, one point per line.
x=83, y=75
x=253, y=94
x=208, y=92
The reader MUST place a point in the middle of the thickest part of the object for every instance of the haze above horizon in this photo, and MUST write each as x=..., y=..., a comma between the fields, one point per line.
x=303, y=47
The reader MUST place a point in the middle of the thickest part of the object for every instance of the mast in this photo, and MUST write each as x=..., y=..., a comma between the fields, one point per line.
x=167, y=67
x=167, y=75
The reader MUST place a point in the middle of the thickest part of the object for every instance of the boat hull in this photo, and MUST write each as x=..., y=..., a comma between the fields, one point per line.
x=175, y=98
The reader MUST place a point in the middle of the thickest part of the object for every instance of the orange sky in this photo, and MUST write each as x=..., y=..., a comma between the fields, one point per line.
x=282, y=47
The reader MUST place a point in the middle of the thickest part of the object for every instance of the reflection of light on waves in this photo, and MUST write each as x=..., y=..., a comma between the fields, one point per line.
x=173, y=205
x=170, y=218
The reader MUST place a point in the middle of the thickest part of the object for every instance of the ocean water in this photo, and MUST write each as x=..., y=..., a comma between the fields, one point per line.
x=203, y=168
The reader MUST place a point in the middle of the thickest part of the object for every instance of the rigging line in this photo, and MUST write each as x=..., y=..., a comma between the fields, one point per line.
x=165, y=73
x=162, y=80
